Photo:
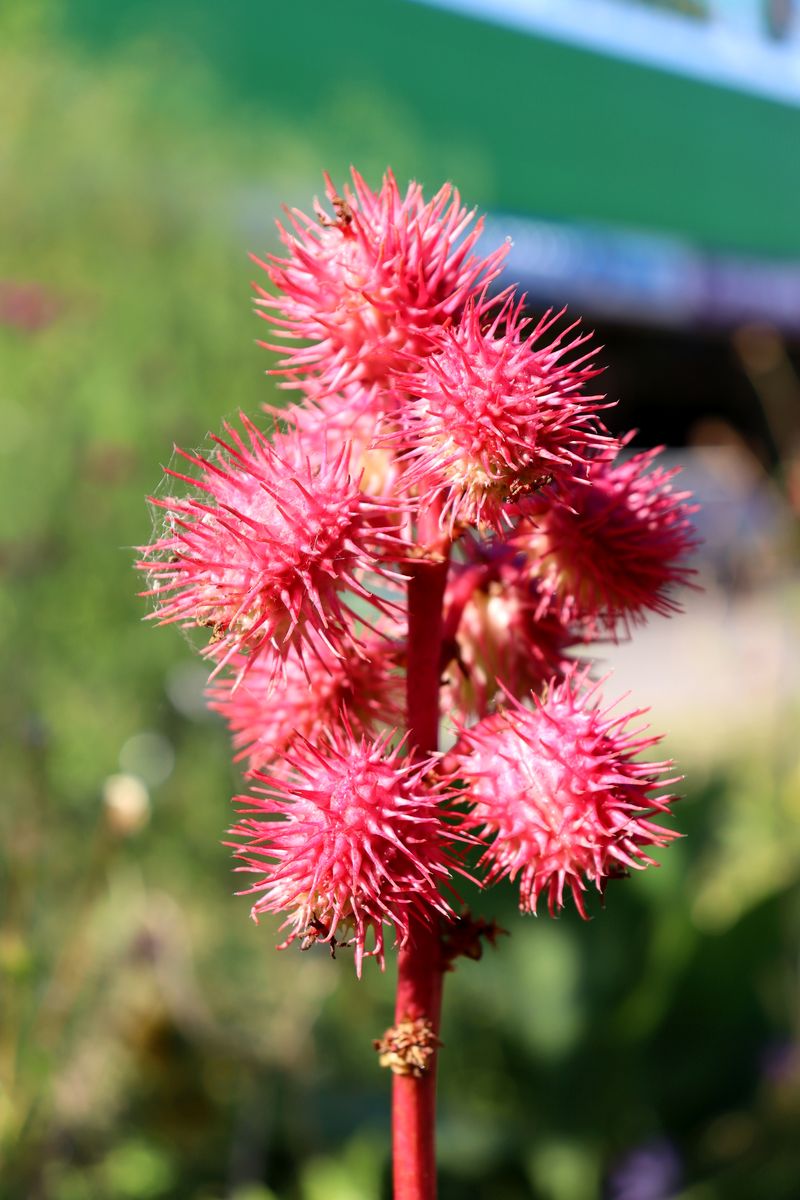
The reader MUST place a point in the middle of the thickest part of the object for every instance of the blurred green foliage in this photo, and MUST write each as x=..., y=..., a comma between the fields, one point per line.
x=153, y=1044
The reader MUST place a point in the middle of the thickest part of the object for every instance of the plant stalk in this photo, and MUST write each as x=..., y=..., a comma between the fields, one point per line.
x=420, y=961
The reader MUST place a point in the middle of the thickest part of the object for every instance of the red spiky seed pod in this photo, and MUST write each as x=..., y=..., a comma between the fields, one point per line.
x=610, y=545
x=366, y=283
x=494, y=414
x=352, y=839
x=263, y=548
x=496, y=635
x=268, y=712
x=560, y=791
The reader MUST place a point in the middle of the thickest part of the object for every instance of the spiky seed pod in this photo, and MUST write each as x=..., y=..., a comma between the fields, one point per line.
x=268, y=716
x=494, y=414
x=497, y=635
x=611, y=545
x=560, y=791
x=351, y=840
x=358, y=415
x=366, y=283
x=263, y=548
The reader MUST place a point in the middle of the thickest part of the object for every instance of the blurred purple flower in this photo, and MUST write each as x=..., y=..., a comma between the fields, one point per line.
x=779, y=1062
x=650, y=1171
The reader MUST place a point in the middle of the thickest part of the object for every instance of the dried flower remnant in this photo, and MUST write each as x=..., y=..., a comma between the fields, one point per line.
x=365, y=286
x=263, y=551
x=466, y=936
x=562, y=794
x=352, y=837
x=408, y=1048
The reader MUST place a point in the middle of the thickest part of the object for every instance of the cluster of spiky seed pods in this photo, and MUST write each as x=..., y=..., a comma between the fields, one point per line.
x=431, y=420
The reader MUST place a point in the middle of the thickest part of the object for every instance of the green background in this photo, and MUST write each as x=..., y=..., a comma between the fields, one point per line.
x=525, y=124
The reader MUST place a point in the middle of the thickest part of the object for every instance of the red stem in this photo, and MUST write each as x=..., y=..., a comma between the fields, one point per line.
x=419, y=994
x=420, y=962
x=423, y=667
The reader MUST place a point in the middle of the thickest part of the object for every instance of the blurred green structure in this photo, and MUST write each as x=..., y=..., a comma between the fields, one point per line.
x=153, y=1045
x=524, y=123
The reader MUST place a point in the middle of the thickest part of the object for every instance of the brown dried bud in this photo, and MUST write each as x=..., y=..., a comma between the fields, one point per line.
x=408, y=1047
